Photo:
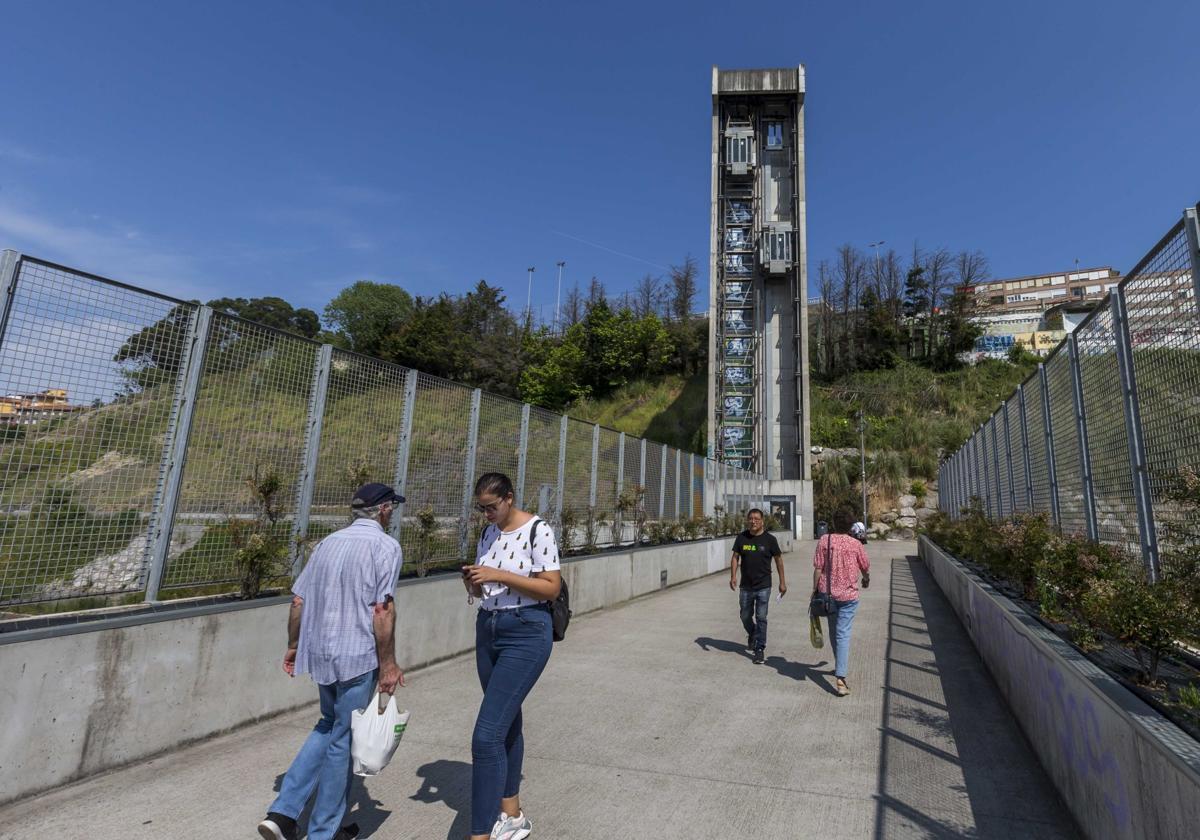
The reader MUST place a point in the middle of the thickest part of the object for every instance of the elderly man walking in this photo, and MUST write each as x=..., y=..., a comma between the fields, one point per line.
x=341, y=631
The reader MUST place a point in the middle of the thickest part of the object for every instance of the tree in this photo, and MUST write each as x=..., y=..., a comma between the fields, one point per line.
x=152, y=355
x=572, y=307
x=647, y=296
x=683, y=288
x=272, y=312
x=363, y=314
x=596, y=293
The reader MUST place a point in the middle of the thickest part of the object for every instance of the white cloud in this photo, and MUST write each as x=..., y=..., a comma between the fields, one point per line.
x=117, y=251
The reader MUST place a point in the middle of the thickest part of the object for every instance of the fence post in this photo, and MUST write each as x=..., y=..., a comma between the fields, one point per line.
x=1025, y=448
x=403, y=447
x=678, y=476
x=9, y=260
x=618, y=531
x=986, y=487
x=1008, y=459
x=1085, y=458
x=1139, y=466
x=691, y=485
x=312, y=449
x=1191, y=224
x=464, y=521
x=642, y=469
x=179, y=428
x=595, y=464
x=662, y=482
x=562, y=469
x=996, y=469
x=620, y=464
x=1048, y=431
x=522, y=456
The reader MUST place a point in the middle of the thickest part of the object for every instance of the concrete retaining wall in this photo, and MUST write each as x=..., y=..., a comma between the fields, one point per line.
x=1123, y=769
x=83, y=698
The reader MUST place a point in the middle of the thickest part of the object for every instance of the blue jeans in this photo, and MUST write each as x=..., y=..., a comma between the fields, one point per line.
x=754, y=603
x=839, y=631
x=324, y=760
x=511, y=650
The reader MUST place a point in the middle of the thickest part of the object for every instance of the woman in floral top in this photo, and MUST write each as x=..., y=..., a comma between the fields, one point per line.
x=849, y=558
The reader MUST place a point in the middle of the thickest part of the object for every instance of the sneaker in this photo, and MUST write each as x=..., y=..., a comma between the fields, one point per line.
x=277, y=827
x=750, y=643
x=512, y=828
x=347, y=832
x=759, y=656
x=842, y=688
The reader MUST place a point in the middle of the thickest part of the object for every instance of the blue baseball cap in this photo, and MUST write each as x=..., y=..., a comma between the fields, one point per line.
x=373, y=494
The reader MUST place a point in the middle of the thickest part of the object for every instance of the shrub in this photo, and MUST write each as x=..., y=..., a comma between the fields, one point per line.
x=1147, y=617
x=260, y=544
x=568, y=522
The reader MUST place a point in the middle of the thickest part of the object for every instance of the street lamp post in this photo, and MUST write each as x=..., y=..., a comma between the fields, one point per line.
x=529, y=300
x=558, y=297
x=876, y=245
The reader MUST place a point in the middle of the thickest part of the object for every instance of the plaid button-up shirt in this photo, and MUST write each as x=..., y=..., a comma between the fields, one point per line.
x=350, y=570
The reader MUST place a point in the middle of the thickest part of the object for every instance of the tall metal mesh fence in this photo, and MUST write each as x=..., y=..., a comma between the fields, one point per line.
x=1144, y=412
x=89, y=373
x=152, y=445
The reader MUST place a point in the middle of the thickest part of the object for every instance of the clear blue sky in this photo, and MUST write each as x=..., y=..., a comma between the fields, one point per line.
x=291, y=148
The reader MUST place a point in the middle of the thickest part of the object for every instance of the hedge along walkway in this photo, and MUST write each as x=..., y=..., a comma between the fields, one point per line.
x=652, y=722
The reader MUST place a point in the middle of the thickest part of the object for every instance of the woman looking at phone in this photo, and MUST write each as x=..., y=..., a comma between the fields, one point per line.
x=515, y=577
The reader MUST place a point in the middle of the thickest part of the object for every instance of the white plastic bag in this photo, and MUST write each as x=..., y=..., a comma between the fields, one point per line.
x=375, y=732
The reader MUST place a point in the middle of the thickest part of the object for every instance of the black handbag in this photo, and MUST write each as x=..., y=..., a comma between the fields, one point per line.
x=560, y=607
x=822, y=603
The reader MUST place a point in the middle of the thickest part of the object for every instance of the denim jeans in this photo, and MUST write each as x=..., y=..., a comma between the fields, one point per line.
x=839, y=631
x=511, y=650
x=754, y=603
x=324, y=760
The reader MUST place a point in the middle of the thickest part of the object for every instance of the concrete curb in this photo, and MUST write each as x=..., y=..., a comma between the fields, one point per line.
x=1123, y=769
x=87, y=697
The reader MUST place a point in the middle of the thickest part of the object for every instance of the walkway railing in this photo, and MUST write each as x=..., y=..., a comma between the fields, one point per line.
x=137, y=431
x=1104, y=437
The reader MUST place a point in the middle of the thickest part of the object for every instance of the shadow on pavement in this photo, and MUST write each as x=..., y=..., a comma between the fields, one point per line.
x=940, y=701
x=361, y=808
x=449, y=782
x=798, y=671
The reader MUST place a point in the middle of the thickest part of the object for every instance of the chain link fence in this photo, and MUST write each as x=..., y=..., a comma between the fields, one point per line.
x=151, y=447
x=1104, y=438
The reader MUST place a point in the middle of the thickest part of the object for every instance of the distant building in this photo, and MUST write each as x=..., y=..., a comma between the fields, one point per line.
x=31, y=409
x=1037, y=292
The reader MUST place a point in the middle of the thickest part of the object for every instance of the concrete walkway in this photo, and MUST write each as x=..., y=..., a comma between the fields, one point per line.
x=652, y=722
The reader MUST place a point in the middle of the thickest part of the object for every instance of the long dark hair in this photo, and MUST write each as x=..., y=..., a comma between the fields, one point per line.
x=498, y=484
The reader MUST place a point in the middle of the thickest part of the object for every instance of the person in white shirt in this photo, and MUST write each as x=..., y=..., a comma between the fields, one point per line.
x=515, y=577
x=341, y=630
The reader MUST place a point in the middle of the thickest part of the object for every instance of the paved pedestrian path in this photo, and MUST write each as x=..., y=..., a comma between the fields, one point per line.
x=652, y=722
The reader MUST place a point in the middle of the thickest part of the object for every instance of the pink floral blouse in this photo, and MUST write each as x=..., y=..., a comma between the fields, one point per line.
x=849, y=557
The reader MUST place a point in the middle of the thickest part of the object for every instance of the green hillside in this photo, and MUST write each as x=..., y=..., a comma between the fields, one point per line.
x=670, y=409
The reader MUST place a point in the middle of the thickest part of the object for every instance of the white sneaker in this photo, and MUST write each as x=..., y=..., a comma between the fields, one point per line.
x=512, y=828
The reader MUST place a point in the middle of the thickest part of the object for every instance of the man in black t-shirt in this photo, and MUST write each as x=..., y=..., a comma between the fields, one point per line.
x=754, y=548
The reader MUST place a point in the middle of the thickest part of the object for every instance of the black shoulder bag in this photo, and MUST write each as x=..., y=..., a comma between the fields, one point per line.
x=560, y=607
x=822, y=603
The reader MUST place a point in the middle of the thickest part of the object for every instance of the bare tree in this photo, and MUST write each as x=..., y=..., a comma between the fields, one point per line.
x=646, y=296
x=970, y=268
x=849, y=276
x=939, y=272
x=572, y=312
x=595, y=292
x=683, y=288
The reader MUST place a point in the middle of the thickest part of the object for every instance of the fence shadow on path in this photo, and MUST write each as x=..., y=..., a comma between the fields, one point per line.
x=798, y=671
x=953, y=760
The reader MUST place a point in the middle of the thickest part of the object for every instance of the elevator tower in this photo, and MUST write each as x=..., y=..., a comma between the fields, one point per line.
x=758, y=388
